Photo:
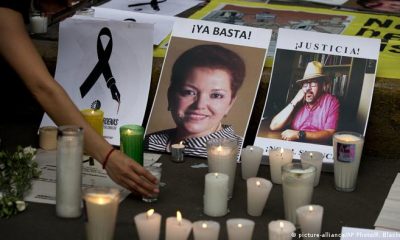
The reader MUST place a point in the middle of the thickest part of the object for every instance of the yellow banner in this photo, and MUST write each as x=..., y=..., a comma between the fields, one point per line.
x=273, y=16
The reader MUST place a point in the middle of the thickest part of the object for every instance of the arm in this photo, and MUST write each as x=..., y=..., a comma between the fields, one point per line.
x=24, y=58
x=281, y=119
x=317, y=136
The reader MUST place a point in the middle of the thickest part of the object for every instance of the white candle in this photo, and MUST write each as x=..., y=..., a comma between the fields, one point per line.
x=148, y=225
x=258, y=190
x=68, y=171
x=251, y=159
x=101, y=211
x=347, y=150
x=177, y=152
x=222, y=155
x=216, y=194
x=315, y=158
x=206, y=230
x=310, y=220
x=277, y=158
x=298, y=186
x=177, y=228
x=280, y=230
x=48, y=137
x=38, y=24
x=240, y=229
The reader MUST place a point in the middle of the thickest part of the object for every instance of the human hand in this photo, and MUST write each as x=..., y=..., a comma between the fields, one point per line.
x=299, y=96
x=290, y=135
x=131, y=175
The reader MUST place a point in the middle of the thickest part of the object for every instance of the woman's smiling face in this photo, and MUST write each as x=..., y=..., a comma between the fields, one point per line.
x=204, y=98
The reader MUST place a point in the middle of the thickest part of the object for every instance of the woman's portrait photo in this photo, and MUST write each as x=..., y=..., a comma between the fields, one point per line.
x=206, y=91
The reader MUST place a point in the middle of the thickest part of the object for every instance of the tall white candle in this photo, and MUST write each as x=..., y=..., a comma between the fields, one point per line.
x=347, y=150
x=298, y=186
x=101, y=211
x=206, y=230
x=277, y=158
x=251, y=159
x=315, y=158
x=216, y=194
x=68, y=171
x=258, y=190
x=177, y=228
x=280, y=230
x=222, y=155
x=240, y=229
x=148, y=225
x=310, y=220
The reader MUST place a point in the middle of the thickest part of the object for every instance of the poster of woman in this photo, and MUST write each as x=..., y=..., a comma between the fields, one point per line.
x=207, y=86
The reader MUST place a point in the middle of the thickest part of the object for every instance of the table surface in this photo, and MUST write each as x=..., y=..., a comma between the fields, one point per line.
x=184, y=190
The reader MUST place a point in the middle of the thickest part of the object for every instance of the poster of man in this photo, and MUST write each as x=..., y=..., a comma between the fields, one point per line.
x=207, y=86
x=320, y=84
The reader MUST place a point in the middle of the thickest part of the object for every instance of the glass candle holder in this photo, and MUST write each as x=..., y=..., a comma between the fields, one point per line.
x=156, y=172
x=298, y=186
x=222, y=156
x=101, y=204
x=347, y=150
x=131, y=141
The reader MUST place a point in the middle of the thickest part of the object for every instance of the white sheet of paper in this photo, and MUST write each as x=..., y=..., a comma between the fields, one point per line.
x=349, y=233
x=44, y=189
x=169, y=7
x=389, y=217
x=130, y=63
x=162, y=24
x=329, y=2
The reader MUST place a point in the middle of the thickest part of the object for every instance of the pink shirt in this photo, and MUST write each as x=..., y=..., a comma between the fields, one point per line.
x=323, y=115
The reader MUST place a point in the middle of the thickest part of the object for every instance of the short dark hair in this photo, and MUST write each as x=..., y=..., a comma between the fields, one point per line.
x=209, y=56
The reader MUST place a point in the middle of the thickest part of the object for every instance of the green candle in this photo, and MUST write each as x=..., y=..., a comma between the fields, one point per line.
x=131, y=141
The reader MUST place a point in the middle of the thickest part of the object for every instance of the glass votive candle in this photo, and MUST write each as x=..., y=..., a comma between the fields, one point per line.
x=347, y=150
x=131, y=141
x=298, y=186
x=222, y=156
x=156, y=172
x=314, y=158
x=177, y=152
x=101, y=205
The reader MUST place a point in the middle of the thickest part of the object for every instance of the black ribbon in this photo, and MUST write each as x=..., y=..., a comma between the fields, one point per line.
x=102, y=67
x=152, y=3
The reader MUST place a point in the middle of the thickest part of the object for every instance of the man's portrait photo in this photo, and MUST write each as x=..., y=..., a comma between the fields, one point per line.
x=314, y=95
x=206, y=90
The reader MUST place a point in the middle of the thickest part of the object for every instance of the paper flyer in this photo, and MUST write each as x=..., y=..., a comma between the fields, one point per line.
x=106, y=65
x=207, y=86
x=320, y=84
x=275, y=16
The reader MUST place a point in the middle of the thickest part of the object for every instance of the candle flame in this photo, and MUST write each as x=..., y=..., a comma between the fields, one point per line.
x=181, y=143
x=216, y=174
x=92, y=112
x=128, y=131
x=310, y=208
x=251, y=148
x=240, y=225
x=258, y=183
x=219, y=148
x=179, y=217
x=281, y=151
x=204, y=225
x=311, y=155
x=150, y=212
x=281, y=225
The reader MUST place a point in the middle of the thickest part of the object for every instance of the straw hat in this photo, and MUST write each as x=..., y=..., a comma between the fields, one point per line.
x=313, y=72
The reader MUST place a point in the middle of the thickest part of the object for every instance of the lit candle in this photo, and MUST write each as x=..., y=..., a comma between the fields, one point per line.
x=347, y=150
x=148, y=225
x=48, y=137
x=277, y=158
x=177, y=151
x=298, y=186
x=280, y=230
x=38, y=24
x=222, y=155
x=251, y=159
x=131, y=141
x=240, y=229
x=310, y=220
x=206, y=230
x=101, y=211
x=177, y=228
x=258, y=190
x=314, y=158
x=216, y=194
x=95, y=119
